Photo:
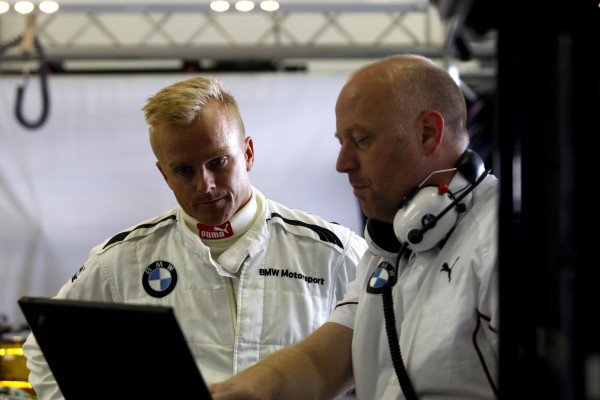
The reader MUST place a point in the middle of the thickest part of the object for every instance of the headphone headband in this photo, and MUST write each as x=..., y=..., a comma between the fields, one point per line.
x=470, y=165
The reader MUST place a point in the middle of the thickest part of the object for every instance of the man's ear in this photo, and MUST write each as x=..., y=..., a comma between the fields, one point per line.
x=249, y=153
x=431, y=124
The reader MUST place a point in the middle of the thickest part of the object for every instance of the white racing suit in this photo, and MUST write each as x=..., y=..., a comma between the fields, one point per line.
x=446, y=310
x=273, y=287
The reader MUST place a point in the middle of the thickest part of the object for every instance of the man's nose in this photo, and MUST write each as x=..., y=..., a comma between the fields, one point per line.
x=346, y=160
x=206, y=182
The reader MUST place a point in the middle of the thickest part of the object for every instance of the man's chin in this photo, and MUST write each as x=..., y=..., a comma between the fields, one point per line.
x=210, y=219
x=373, y=214
x=366, y=210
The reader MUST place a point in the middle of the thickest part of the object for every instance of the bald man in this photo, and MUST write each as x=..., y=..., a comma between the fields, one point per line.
x=421, y=318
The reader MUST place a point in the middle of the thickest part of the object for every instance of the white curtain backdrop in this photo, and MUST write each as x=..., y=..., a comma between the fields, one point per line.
x=89, y=173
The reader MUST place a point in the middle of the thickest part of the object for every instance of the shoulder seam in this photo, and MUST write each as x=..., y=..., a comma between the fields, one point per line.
x=325, y=234
x=121, y=236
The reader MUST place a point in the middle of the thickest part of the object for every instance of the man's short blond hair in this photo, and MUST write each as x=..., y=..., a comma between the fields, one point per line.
x=182, y=102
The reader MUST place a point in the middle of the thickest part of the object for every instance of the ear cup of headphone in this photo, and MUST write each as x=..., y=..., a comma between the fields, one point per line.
x=425, y=205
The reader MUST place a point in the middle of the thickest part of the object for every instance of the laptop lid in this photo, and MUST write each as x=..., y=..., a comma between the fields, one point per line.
x=114, y=351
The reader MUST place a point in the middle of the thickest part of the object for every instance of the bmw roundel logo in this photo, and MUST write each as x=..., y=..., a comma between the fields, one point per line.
x=384, y=275
x=159, y=278
x=379, y=278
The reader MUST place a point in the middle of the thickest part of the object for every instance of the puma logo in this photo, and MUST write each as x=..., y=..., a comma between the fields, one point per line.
x=224, y=229
x=215, y=232
x=448, y=269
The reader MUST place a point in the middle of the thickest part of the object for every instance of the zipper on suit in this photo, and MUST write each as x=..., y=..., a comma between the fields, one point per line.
x=232, y=304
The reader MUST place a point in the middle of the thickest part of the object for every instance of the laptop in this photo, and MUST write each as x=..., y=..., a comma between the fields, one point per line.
x=114, y=351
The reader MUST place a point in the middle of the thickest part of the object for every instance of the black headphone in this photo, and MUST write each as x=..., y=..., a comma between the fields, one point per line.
x=428, y=214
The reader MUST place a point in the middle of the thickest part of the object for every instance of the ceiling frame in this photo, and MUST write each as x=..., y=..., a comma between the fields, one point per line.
x=277, y=40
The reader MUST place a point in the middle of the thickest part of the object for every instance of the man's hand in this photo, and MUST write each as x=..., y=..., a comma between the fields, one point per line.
x=233, y=391
x=256, y=383
x=319, y=367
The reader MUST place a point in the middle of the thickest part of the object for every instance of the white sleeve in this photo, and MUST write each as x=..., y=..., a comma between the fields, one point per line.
x=40, y=377
x=345, y=310
x=346, y=271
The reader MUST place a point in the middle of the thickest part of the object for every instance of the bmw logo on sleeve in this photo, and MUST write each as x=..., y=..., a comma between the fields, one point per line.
x=384, y=275
x=159, y=278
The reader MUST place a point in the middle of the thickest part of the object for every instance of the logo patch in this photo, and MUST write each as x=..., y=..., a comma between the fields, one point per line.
x=448, y=269
x=74, y=278
x=215, y=232
x=159, y=279
x=285, y=273
x=384, y=275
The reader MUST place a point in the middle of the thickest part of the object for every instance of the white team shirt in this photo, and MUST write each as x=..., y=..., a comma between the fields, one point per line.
x=446, y=310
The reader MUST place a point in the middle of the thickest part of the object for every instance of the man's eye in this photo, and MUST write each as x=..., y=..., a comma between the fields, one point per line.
x=184, y=171
x=219, y=162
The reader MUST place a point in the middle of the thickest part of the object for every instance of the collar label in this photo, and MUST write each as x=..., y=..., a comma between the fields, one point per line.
x=215, y=232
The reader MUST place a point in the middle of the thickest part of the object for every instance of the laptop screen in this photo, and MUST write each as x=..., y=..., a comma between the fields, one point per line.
x=107, y=350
